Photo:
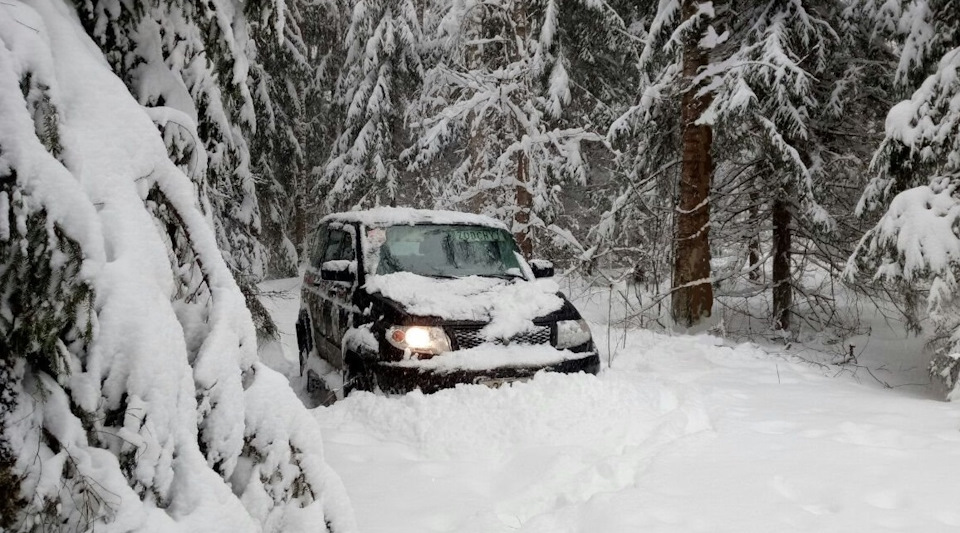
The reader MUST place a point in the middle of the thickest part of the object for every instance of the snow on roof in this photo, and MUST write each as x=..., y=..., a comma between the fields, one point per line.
x=393, y=216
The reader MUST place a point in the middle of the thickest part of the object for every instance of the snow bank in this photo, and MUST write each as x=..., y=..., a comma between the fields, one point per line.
x=475, y=422
x=494, y=460
x=750, y=437
x=285, y=434
x=682, y=434
x=166, y=403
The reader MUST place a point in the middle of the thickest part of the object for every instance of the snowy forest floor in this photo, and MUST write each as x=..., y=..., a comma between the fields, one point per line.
x=680, y=434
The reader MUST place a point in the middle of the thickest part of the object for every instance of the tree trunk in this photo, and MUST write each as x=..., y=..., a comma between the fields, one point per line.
x=692, y=298
x=521, y=218
x=303, y=183
x=522, y=196
x=300, y=215
x=753, y=247
x=782, y=285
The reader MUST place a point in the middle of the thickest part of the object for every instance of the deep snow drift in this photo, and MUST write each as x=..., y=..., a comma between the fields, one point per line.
x=681, y=434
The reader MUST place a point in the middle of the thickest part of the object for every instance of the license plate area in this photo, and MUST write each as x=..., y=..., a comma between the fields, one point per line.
x=496, y=383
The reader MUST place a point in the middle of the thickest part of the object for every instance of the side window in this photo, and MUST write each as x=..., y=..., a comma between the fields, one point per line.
x=334, y=243
x=348, y=249
x=317, y=247
x=339, y=246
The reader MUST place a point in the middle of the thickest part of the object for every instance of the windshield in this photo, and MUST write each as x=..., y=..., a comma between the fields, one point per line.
x=445, y=251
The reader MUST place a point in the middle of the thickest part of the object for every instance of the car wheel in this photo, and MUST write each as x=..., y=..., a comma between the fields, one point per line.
x=356, y=375
x=319, y=390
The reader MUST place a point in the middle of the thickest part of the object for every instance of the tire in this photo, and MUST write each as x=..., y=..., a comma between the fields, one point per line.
x=318, y=390
x=356, y=375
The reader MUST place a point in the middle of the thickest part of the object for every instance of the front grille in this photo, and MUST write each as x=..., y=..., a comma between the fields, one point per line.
x=472, y=337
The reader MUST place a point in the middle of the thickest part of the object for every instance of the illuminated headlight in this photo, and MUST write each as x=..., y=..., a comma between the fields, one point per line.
x=420, y=339
x=572, y=333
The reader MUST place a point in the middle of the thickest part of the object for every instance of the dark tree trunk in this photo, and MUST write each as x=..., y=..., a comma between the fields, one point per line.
x=753, y=247
x=782, y=284
x=524, y=200
x=521, y=219
x=692, y=298
x=299, y=236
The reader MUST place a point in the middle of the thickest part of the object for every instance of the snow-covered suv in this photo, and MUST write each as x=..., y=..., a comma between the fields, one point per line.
x=398, y=299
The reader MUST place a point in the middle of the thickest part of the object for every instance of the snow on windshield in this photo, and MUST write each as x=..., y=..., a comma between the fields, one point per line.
x=458, y=272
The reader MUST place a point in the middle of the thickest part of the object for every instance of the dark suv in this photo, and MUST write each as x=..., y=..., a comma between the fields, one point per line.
x=398, y=299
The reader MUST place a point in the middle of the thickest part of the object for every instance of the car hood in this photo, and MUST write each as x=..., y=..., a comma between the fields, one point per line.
x=508, y=306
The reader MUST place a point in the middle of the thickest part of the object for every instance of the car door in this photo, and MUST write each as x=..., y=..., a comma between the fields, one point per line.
x=330, y=301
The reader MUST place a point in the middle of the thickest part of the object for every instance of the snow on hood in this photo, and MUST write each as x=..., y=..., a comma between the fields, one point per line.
x=510, y=306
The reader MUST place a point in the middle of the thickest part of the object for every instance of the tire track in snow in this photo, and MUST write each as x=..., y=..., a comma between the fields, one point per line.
x=571, y=481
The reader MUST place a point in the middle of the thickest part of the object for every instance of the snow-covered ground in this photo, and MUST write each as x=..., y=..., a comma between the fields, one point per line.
x=681, y=433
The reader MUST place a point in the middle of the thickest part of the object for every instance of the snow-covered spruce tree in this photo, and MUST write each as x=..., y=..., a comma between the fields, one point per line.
x=599, y=52
x=189, y=63
x=131, y=398
x=46, y=311
x=797, y=73
x=380, y=73
x=494, y=116
x=784, y=78
x=636, y=228
x=917, y=173
x=298, y=54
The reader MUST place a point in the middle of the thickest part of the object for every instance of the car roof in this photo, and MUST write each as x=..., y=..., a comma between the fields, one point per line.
x=398, y=216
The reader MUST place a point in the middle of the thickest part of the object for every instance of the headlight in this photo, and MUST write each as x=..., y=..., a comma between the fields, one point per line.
x=572, y=333
x=420, y=339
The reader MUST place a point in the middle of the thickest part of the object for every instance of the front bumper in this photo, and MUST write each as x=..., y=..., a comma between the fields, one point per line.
x=402, y=379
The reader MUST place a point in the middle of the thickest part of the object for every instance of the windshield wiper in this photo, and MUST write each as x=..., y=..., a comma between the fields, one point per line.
x=501, y=276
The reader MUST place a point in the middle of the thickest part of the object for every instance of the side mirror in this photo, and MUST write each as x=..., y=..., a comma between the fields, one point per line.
x=541, y=268
x=339, y=270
